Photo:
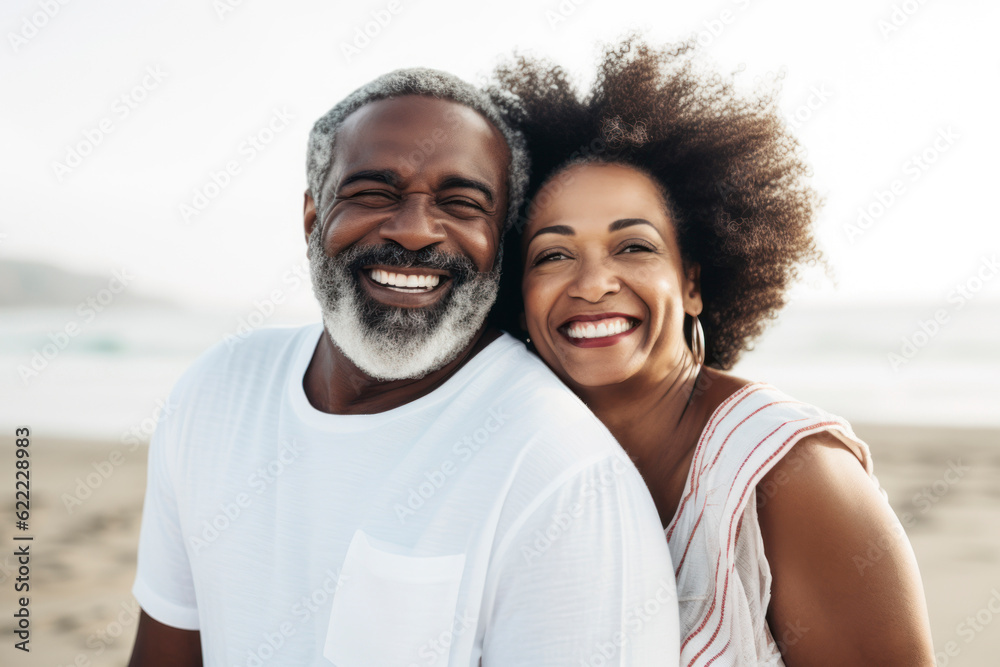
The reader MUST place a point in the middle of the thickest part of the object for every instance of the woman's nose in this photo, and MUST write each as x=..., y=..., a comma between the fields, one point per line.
x=593, y=281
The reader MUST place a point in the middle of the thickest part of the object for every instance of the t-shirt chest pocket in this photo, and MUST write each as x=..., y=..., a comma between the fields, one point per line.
x=391, y=609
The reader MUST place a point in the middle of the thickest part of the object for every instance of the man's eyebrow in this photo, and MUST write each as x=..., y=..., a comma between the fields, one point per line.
x=463, y=182
x=628, y=222
x=565, y=230
x=386, y=176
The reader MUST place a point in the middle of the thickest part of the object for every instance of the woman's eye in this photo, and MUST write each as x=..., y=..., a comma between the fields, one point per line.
x=550, y=256
x=637, y=247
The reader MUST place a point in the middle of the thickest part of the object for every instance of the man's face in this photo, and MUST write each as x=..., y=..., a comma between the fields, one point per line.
x=403, y=251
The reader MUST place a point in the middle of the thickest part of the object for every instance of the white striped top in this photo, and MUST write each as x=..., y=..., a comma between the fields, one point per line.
x=723, y=578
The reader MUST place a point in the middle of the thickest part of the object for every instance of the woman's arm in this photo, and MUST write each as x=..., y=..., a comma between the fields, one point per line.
x=846, y=589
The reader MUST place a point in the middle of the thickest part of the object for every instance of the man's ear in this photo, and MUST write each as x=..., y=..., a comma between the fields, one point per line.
x=692, y=289
x=309, y=214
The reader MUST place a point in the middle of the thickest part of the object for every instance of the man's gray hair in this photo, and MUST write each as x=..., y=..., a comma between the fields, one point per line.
x=416, y=81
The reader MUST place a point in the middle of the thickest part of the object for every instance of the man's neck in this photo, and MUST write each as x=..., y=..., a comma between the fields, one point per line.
x=334, y=384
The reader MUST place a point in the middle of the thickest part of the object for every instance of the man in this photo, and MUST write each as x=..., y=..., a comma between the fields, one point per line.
x=403, y=485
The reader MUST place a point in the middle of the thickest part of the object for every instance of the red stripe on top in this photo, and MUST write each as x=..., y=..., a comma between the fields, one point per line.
x=725, y=589
x=708, y=614
x=746, y=419
x=717, y=417
x=724, y=649
x=677, y=570
x=725, y=585
x=722, y=611
x=707, y=434
x=721, y=447
x=751, y=483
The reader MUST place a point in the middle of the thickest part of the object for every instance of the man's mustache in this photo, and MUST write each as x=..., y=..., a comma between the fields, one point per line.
x=459, y=268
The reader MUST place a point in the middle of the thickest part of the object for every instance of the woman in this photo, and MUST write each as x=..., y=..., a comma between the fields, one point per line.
x=669, y=216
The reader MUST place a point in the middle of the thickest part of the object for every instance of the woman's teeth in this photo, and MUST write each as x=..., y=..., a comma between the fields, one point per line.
x=599, y=328
x=423, y=283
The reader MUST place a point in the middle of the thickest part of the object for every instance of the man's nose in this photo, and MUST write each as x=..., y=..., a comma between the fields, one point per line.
x=414, y=224
x=593, y=280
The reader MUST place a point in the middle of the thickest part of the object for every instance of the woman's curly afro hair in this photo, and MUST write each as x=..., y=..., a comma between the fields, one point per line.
x=733, y=176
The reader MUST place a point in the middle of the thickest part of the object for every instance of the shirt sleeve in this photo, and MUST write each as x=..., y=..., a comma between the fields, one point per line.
x=584, y=577
x=164, y=585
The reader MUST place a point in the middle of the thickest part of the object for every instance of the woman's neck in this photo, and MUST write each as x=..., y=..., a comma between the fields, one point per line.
x=653, y=418
x=644, y=408
x=659, y=420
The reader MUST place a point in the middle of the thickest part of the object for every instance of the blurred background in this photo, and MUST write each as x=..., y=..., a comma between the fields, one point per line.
x=151, y=184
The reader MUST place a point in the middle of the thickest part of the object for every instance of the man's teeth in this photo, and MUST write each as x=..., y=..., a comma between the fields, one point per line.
x=427, y=282
x=599, y=328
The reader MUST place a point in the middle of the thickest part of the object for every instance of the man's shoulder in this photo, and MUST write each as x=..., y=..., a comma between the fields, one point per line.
x=536, y=403
x=255, y=354
x=507, y=367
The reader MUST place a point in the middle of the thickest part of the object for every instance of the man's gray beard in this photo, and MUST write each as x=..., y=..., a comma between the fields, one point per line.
x=392, y=343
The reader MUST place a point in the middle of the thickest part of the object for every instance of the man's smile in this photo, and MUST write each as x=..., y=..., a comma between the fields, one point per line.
x=413, y=287
x=423, y=282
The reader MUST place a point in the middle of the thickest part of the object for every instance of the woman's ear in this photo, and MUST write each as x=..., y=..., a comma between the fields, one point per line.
x=692, y=289
x=309, y=214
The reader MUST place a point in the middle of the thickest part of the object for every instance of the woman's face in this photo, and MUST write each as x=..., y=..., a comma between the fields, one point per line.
x=605, y=291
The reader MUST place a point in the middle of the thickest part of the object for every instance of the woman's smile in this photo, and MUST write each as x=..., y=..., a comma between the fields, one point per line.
x=599, y=330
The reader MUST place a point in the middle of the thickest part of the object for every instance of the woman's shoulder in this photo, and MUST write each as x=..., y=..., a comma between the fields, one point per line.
x=758, y=420
x=828, y=533
x=751, y=430
x=779, y=503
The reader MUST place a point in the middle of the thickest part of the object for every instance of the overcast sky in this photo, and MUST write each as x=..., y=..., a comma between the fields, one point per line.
x=159, y=95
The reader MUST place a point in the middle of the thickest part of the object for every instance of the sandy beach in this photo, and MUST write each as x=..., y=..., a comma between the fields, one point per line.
x=943, y=483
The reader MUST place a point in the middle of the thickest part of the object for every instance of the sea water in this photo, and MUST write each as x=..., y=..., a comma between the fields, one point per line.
x=111, y=377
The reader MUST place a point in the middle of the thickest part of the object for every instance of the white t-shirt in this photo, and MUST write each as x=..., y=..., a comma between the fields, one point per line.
x=493, y=518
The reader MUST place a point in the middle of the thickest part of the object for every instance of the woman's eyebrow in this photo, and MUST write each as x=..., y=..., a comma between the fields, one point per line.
x=613, y=227
x=628, y=222
x=565, y=230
